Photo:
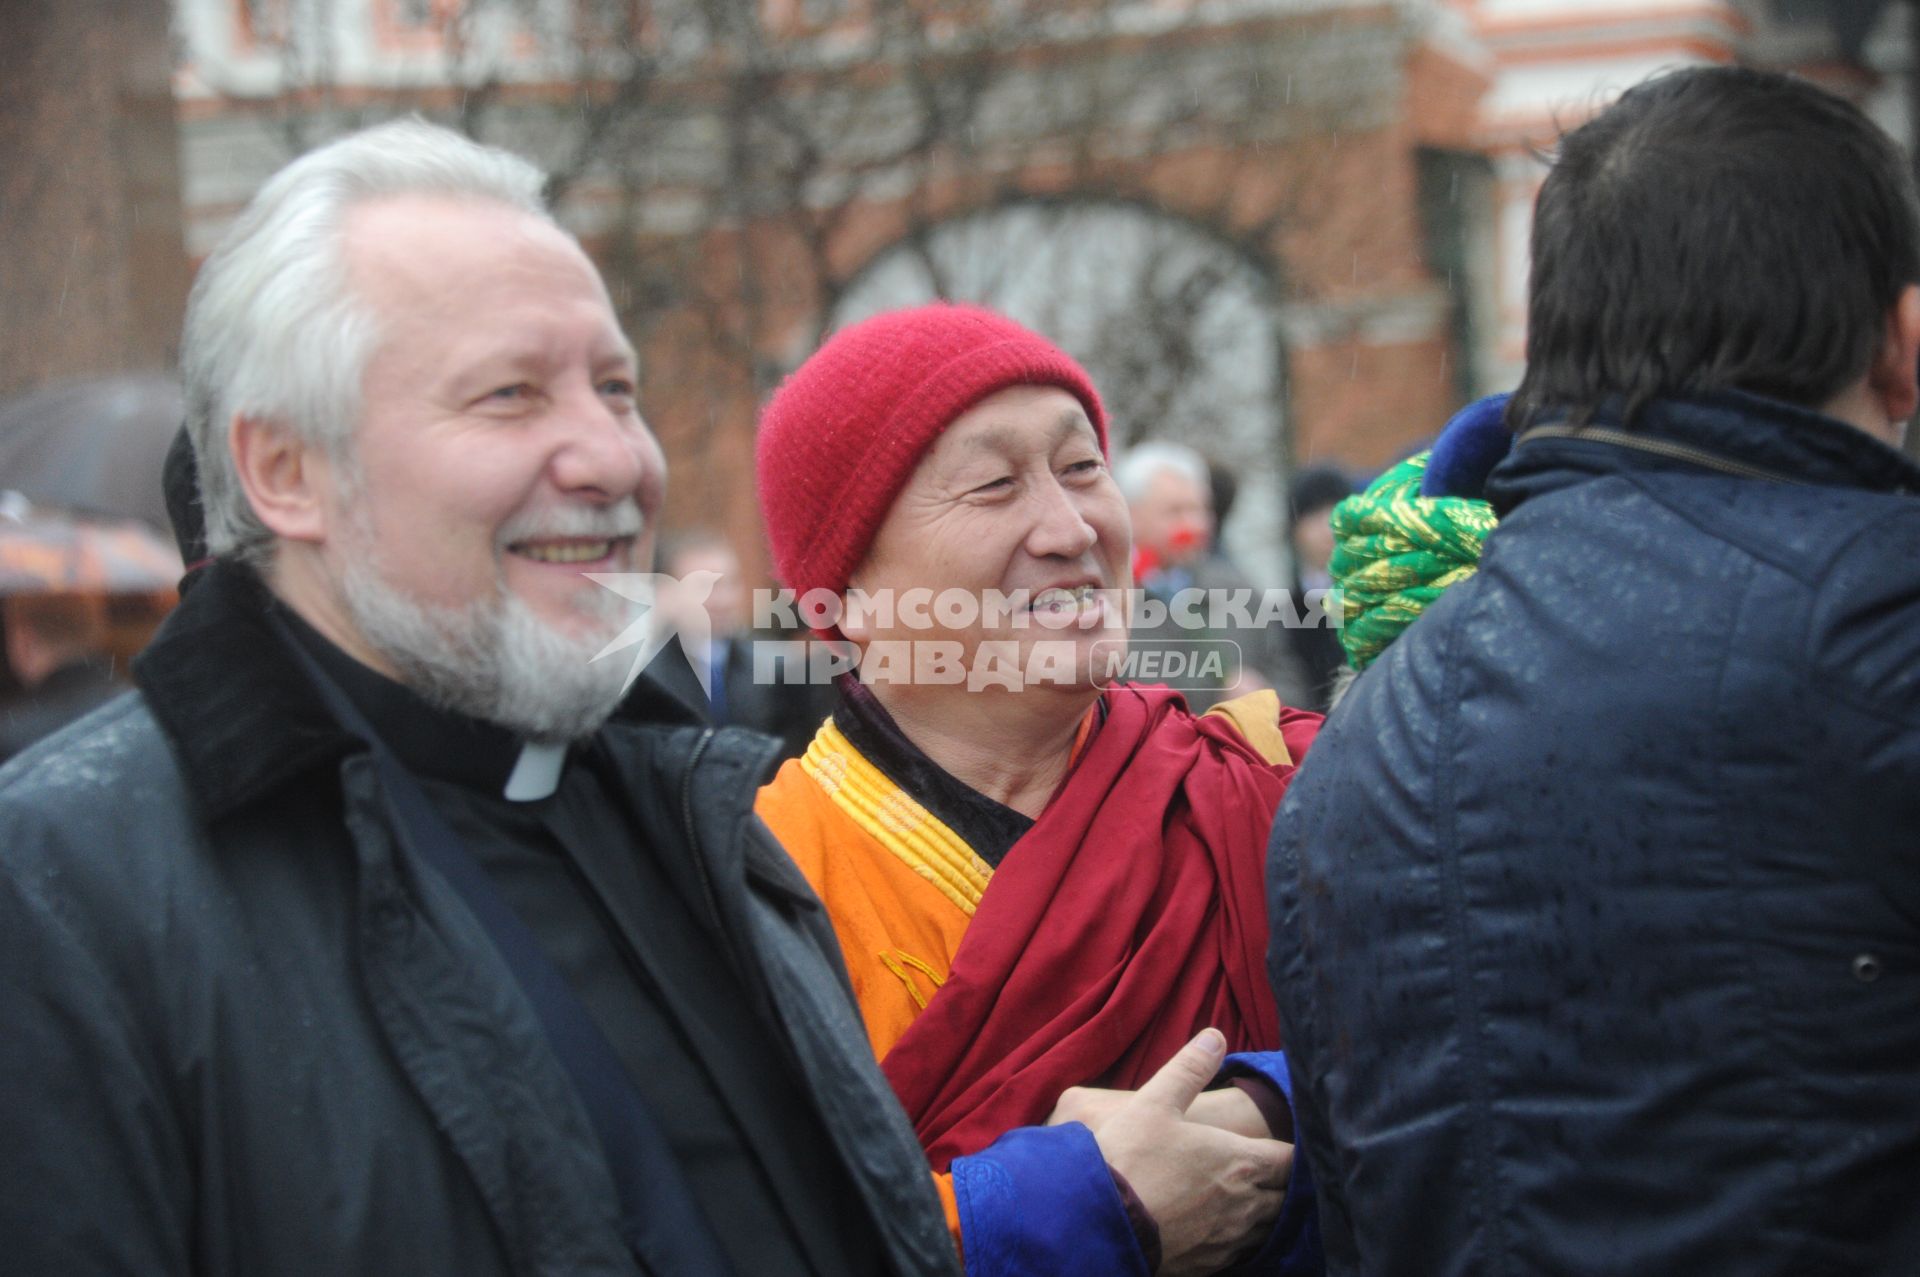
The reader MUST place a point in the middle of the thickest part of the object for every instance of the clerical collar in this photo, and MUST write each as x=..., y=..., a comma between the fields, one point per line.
x=429, y=741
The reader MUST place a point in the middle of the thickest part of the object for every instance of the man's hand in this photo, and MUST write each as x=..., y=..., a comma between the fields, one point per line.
x=1213, y=1193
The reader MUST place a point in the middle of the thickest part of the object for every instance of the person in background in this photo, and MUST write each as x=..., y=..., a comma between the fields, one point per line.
x=1224, y=489
x=1043, y=885
x=1314, y=492
x=1169, y=490
x=726, y=680
x=1170, y=504
x=56, y=646
x=1595, y=909
x=383, y=931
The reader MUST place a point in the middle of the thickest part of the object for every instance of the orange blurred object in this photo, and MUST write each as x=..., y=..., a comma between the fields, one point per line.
x=50, y=552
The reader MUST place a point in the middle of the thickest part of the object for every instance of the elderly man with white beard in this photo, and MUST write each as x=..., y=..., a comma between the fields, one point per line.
x=377, y=932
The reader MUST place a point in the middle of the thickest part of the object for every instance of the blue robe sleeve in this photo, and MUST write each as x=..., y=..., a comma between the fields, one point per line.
x=1293, y=1248
x=1040, y=1201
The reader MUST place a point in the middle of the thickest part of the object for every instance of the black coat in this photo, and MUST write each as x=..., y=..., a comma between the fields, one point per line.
x=1597, y=904
x=241, y=1032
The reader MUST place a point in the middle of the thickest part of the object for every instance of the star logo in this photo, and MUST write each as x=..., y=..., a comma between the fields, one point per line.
x=666, y=606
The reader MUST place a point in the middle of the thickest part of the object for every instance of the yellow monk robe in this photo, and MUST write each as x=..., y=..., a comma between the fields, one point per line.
x=900, y=886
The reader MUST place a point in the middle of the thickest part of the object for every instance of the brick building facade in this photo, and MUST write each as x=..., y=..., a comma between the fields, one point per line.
x=94, y=274
x=1358, y=172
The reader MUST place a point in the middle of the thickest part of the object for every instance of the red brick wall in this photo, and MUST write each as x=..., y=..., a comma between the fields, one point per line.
x=94, y=274
x=1365, y=405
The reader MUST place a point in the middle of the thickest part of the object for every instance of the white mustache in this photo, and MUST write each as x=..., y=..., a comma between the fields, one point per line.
x=622, y=519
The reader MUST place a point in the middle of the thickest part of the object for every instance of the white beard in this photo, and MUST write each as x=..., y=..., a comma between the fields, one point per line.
x=495, y=659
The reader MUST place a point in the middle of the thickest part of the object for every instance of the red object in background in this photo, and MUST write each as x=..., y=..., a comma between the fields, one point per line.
x=1187, y=537
x=1181, y=543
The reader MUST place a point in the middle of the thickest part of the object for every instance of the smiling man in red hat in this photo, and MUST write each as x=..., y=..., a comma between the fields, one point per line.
x=1041, y=880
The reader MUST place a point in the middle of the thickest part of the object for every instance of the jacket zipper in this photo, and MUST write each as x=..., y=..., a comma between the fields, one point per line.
x=1662, y=448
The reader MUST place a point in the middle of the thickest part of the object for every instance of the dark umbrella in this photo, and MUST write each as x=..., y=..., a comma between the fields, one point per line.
x=92, y=446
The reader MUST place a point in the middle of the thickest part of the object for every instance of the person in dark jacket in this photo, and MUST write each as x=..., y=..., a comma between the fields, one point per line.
x=56, y=648
x=730, y=676
x=1596, y=909
x=383, y=931
x=1315, y=491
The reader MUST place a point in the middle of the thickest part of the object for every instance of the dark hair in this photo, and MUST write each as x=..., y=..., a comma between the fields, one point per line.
x=1716, y=228
x=1226, y=489
x=1316, y=488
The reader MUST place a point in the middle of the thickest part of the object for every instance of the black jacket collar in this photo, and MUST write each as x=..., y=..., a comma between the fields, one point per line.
x=1750, y=432
x=427, y=739
x=243, y=717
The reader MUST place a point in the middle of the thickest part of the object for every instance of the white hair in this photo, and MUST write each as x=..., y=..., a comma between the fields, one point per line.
x=1143, y=463
x=272, y=330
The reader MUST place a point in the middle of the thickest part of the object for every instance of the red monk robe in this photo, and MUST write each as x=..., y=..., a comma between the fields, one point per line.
x=1130, y=916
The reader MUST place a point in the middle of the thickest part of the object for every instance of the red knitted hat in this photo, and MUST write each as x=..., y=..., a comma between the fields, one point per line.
x=840, y=437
